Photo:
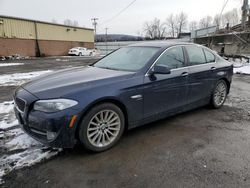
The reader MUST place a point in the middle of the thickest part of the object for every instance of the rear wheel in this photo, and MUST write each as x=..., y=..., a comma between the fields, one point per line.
x=219, y=94
x=102, y=127
x=80, y=54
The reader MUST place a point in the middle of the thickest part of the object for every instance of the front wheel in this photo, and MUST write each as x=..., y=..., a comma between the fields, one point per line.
x=219, y=94
x=102, y=127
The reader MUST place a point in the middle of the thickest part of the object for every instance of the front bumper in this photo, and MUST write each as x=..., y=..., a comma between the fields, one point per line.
x=51, y=129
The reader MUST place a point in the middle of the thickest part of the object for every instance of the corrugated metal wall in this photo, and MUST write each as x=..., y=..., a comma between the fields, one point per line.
x=23, y=29
x=12, y=28
x=63, y=33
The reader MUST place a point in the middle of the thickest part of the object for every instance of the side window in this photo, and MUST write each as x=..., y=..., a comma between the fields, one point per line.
x=209, y=56
x=172, y=58
x=196, y=55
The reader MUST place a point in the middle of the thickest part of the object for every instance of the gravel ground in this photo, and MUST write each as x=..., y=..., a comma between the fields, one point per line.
x=200, y=148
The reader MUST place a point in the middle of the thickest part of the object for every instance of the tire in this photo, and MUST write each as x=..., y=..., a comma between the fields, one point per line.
x=101, y=135
x=219, y=94
x=80, y=54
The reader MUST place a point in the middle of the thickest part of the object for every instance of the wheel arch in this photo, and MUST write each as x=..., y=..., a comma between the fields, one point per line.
x=227, y=82
x=112, y=100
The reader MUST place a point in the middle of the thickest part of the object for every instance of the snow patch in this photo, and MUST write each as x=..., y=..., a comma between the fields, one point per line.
x=24, y=159
x=10, y=64
x=7, y=125
x=22, y=141
x=13, y=132
x=242, y=70
x=19, y=78
x=241, y=66
x=19, y=149
x=6, y=107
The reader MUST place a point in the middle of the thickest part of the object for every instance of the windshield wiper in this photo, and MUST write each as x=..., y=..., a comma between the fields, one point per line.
x=108, y=68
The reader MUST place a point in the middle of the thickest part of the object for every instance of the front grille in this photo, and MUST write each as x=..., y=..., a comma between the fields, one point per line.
x=20, y=103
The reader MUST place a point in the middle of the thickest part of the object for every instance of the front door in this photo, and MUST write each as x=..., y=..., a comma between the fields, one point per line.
x=165, y=93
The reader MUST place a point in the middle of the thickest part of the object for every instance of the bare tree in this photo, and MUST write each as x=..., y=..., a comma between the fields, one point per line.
x=154, y=29
x=75, y=23
x=181, y=22
x=217, y=21
x=171, y=23
x=67, y=22
x=147, y=28
x=175, y=24
x=70, y=22
x=193, y=25
x=53, y=20
x=231, y=18
x=205, y=22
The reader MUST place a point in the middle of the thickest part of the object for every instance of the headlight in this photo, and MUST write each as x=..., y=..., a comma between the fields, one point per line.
x=54, y=105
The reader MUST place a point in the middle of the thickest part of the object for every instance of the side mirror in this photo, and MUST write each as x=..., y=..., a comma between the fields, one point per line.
x=158, y=69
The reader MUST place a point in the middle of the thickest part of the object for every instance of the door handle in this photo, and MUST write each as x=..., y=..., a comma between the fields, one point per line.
x=184, y=74
x=212, y=68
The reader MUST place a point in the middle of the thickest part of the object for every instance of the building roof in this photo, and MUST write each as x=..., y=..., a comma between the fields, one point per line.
x=38, y=21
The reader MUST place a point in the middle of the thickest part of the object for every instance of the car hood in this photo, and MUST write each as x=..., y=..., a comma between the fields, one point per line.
x=59, y=83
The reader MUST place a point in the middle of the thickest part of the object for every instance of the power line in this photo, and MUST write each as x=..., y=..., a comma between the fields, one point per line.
x=224, y=6
x=118, y=14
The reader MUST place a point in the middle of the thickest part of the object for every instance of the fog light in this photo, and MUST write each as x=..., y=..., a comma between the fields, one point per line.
x=51, y=135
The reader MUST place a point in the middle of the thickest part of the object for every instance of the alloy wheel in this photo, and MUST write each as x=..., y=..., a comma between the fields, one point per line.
x=103, y=128
x=220, y=93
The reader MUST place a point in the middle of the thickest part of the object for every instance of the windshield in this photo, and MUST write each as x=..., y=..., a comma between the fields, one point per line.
x=128, y=58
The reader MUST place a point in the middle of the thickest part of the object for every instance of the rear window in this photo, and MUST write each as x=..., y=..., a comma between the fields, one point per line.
x=209, y=56
x=196, y=55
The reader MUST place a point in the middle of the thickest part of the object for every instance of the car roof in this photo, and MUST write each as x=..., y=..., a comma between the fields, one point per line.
x=161, y=44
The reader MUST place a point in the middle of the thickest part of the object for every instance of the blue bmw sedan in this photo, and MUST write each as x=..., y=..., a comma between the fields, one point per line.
x=130, y=87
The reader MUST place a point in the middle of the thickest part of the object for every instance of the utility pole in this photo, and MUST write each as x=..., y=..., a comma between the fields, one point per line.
x=95, y=24
x=106, y=39
x=245, y=9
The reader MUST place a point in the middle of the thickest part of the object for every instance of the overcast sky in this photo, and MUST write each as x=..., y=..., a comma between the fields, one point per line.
x=129, y=22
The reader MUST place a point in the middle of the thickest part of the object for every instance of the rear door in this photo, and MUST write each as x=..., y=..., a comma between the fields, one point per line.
x=164, y=93
x=211, y=61
x=200, y=81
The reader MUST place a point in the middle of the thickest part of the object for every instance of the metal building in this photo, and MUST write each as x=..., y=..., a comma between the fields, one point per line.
x=37, y=38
